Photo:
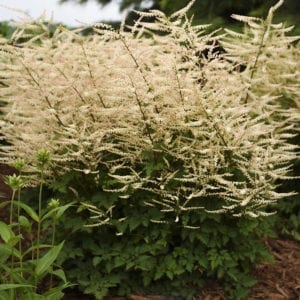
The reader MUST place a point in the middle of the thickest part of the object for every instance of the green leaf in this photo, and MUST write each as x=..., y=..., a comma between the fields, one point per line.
x=232, y=274
x=119, y=261
x=34, y=247
x=24, y=223
x=159, y=273
x=134, y=222
x=96, y=260
x=14, y=240
x=129, y=265
x=33, y=296
x=47, y=260
x=7, y=250
x=5, y=232
x=57, y=211
x=52, y=294
x=170, y=275
x=9, y=286
x=4, y=203
x=30, y=212
x=60, y=274
x=62, y=209
x=203, y=261
x=4, y=295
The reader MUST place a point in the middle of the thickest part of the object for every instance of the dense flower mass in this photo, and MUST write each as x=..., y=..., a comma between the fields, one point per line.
x=195, y=118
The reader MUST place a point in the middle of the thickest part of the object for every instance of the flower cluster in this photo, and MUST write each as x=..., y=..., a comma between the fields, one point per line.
x=160, y=106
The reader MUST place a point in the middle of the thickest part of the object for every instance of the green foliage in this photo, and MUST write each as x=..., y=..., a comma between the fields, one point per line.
x=6, y=29
x=288, y=221
x=27, y=267
x=288, y=216
x=135, y=253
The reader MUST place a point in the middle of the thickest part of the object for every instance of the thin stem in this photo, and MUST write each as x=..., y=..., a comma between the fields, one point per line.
x=140, y=70
x=19, y=231
x=39, y=222
x=11, y=280
x=217, y=130
x=181, y=96
x=259, y=52
x=215, y=126
x=92, y=76
x=39, y=214
x=52, y=245
x=145, y=119
x=77, y=92
x=60, y=122
x=12, y=207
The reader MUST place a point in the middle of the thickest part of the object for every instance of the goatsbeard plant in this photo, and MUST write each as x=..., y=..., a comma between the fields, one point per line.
x=166, y=117
x=158, y=91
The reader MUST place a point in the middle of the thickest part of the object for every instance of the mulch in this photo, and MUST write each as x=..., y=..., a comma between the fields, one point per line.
x=281, y=280
x=276, y=281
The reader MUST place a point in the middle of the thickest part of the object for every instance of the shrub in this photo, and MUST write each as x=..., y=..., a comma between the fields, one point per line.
x=172, y=144
x=132, y=253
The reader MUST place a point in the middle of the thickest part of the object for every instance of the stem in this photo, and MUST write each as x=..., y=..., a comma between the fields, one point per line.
x=78, y=93
x=39, y=223
x=145, y=119
x=181, y=96
x=19, y=231
x=52, y=245
x=140, y=70
x=11, y=280
x=92, y=76
x=259, y=52
x=11, y=208
x=60, y=122
x=40, y=214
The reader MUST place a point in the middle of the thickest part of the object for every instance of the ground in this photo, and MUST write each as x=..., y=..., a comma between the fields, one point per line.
x=278, y=281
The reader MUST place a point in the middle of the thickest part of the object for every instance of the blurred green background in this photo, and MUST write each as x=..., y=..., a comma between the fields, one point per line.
x=205, y=11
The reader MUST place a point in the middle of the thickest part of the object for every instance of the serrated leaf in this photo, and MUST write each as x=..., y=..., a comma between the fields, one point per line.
x=134, y=222
x=203, y=261
x=232, y=275
x=159, y=273
x=96, y=260
x=170, y=274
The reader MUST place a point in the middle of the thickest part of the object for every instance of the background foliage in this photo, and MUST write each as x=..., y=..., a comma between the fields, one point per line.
x=213, y=11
